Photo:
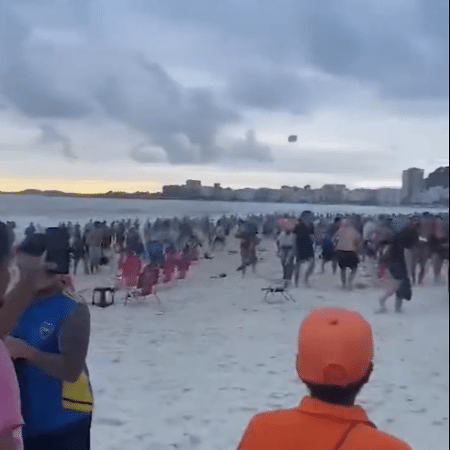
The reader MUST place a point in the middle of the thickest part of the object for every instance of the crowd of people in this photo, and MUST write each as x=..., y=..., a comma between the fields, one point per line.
x=397, y=248
x=44, y=329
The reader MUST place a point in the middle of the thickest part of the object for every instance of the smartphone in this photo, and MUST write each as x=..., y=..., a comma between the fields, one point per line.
x=57, y=247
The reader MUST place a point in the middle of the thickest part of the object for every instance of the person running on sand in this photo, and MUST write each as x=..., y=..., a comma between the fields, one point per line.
x=398, y=281
x=334, y=360
x=304, y=251
x=349, y=244
x=247, y=248
x=286, y=246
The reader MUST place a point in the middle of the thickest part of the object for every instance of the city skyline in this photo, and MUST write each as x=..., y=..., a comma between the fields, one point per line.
x=415, y=190
x=147, y=187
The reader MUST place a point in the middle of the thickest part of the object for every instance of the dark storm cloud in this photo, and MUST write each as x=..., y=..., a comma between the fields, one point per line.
x=397, y=55
x=250, y=149
x=36, y=97
x=179, y=120
x=51, y=136
x=271, y=90
x=400, y=47
x=137, y=92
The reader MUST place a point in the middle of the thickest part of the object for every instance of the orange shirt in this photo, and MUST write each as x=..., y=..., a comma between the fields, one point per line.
x=316, y=425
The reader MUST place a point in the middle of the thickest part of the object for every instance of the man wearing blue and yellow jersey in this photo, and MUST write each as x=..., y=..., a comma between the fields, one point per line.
x=49, y=346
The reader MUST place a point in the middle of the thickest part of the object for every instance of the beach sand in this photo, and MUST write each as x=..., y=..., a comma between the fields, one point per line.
x=193, y=377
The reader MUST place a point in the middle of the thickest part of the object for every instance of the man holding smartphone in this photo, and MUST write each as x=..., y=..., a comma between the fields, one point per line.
x=49, y=346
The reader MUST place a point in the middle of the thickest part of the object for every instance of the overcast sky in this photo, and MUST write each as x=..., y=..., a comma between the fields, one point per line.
x=133, y=94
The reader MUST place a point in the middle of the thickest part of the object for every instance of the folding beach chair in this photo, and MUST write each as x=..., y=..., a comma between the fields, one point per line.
x=147, y=282
x=130, y=269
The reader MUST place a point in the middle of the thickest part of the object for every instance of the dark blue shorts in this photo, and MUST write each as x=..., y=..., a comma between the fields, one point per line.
x=76, y=437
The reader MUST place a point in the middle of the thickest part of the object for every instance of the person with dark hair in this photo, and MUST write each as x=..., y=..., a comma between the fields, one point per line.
x=398, y=282
x=12, y=306
x=439, y=248
x=48, y=344
x=334, y=360
x=304, y=252
x=247, y=247
x=349, y=245
x=79, y=251
x=31, y=229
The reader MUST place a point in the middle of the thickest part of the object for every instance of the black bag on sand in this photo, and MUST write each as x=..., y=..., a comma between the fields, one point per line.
x=405, y=290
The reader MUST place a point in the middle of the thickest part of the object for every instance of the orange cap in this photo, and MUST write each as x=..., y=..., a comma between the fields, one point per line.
x=335, y=347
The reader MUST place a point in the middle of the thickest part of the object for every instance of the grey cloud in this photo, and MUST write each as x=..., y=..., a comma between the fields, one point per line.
x=271, y=90
x=154, y=104
x=125, y=86
x=250, y=149
x=377, y=43
x=388, y=59
x=383, y=47
x=72, y=13
x=12, y=36
x=386, y=49
x=36, y=97
x=144, y=153
x=51, y=136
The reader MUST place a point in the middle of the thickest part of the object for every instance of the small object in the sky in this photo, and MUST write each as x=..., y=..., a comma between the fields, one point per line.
x=292, y=138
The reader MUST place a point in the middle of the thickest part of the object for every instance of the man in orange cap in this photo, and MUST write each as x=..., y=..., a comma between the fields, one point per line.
x=334, y=360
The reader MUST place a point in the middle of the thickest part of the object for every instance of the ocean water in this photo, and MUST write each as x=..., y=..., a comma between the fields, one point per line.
x=47, y=211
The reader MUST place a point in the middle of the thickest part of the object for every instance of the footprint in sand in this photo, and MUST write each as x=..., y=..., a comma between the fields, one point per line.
x=141, y=437
x=419, y=411
x=278, y=395
x=111, y=422
x=248, y=409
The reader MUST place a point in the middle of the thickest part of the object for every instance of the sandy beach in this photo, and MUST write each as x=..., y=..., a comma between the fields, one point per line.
x=193, y=377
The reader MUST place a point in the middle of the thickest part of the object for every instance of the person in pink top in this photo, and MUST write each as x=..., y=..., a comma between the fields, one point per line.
x=12, y=304
x=349, y=245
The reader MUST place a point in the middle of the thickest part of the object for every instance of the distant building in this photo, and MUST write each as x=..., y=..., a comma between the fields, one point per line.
x=207, y=192
x=413, y=184
x=436, y=195
x=268, y=195
x=415, y=190
x=360, y=196
x=228, y=194
x=388, y=197
x=245, y=195
x=440, y=177
x=332, y=193
x=289, y=194
x=194, y=185
x=172, y=191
